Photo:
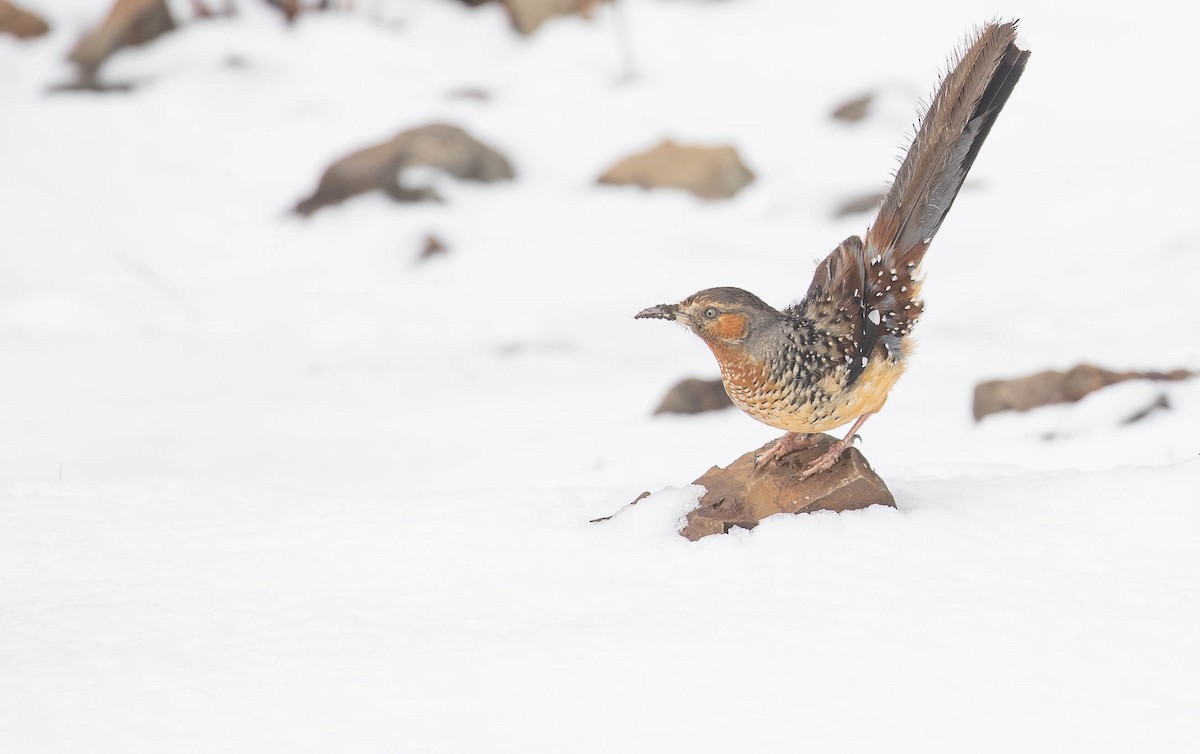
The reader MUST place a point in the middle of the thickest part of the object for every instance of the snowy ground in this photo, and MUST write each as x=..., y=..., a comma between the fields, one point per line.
x=268, y=484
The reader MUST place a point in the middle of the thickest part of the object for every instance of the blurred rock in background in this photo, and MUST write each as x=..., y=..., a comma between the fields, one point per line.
x=857, y=205
x=21, y=23
x=853, y=110
x=470, y=94
x=1050, y=387
x=128, y=23
x=528, y=15
x=708, y=172
x=694, y=396
x=439, y=146
x=431, y=247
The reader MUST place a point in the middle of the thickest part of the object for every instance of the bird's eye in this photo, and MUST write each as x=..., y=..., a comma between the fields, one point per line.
x=710, y=313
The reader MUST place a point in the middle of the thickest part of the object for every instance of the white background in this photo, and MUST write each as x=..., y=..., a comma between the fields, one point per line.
x=270, y=484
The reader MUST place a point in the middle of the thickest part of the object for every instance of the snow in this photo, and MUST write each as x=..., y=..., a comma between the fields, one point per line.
x=269, y=484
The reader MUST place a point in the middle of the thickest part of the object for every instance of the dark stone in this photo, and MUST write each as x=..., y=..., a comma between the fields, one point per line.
x=694, y=396
x=741, y=495
x=1050, y=387
x=439, y=145
x=433, y=247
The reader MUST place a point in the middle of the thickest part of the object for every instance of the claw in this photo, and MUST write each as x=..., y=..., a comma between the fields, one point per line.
x=826, y=460
x=789, y=443
x=823, y=462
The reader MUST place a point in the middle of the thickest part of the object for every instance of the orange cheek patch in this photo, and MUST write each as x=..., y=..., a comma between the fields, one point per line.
x=728, y=327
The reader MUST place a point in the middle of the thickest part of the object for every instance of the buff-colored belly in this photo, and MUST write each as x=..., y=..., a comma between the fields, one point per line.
x=866, y=396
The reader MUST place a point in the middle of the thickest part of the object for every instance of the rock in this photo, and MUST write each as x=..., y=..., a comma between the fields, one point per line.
x=129, y=23
x=439, y=145
x=21, y=23
x=1045, y=388
x=707, y=172
x=289, y=8
x=528, y=15
x=858, y=204
x=740, y=495
x=693, y=396
x=853, y=110
x=472, y=93
x=432, y=247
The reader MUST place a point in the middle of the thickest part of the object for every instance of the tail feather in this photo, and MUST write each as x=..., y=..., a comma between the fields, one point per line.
x=866, y=293
x=958, y=121
x=948, y=139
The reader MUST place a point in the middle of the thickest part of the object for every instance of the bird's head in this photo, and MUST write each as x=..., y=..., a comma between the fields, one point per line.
x=722, y=317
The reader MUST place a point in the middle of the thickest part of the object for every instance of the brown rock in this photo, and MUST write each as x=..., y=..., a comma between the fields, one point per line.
x=707, y=172
x=693, y=396
x=740, y=495
x=528, y=15
x=853, y=110
x=856, y=205
x=432, y=247
x=441, y=146
x=129, y=23
x=1045, y=388
x=21, y=23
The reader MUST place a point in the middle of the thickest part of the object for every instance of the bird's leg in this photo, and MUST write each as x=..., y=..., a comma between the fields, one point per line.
x=789, y=443
x=831, y=456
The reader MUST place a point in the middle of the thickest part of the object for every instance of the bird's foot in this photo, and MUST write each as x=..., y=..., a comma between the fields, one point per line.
x=831, y=455
x=825, y=461
x=789, y=443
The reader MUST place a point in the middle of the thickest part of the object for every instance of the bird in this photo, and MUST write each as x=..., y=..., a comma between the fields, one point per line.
x=832, y=358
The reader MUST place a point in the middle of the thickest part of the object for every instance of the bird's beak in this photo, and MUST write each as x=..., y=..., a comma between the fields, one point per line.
x=662, y=311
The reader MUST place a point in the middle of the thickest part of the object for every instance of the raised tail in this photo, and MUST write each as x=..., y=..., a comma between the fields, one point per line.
x=866, y=294
x=948, y=138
